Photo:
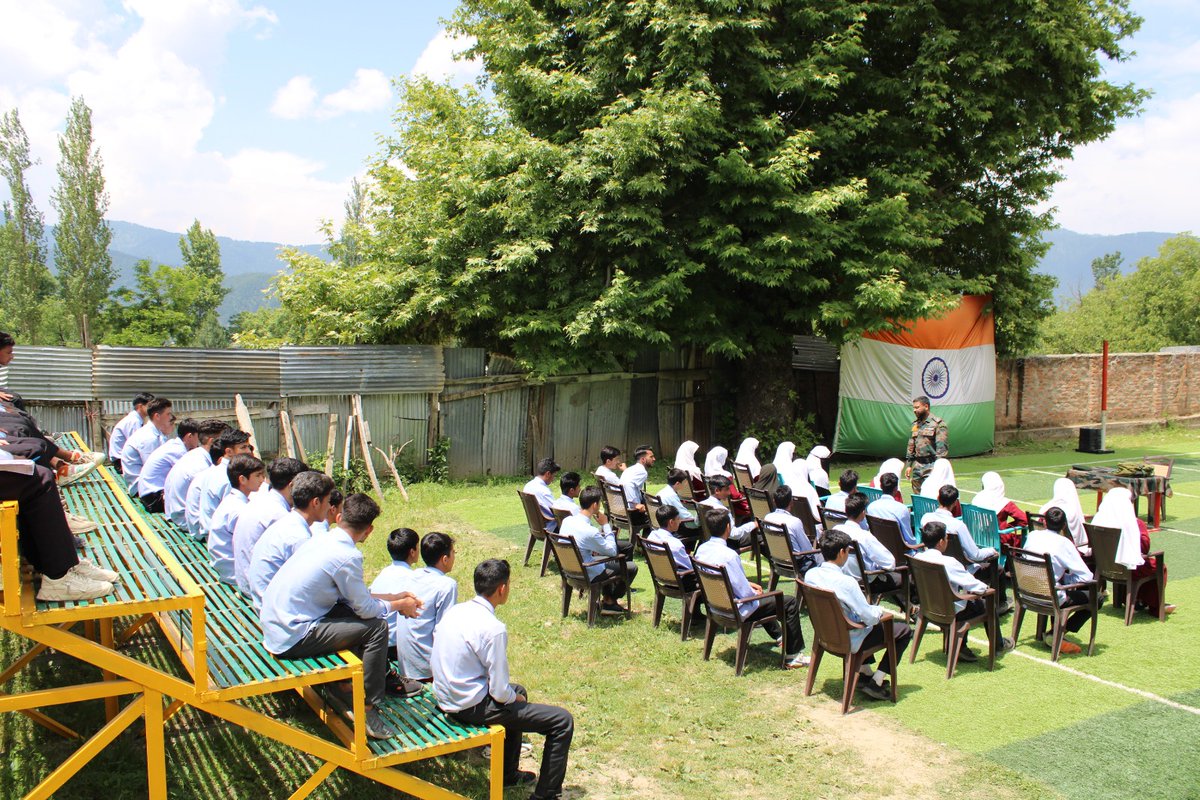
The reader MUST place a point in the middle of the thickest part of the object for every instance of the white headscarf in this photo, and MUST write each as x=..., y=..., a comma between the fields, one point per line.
x=796, y=477
x=816, y=470
x=992, y=497
x=941, y=475
x=1066, y=497
x=714, y=462
x=685, y=459
x=1117, y=512
x=746, y=455
x=893, y=466
x=783, y=457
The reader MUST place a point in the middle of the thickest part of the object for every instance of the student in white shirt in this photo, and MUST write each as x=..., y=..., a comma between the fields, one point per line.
x=610, y=464
x=310, y=503
x=667, y=533
x=180, y=478
x=1068, y=567
x=403, y=547
x=835, y=546
x=438, y=593
x=336, y=498
x=569, y=488
x=159, y=425
x=539, y=487
x=600, y=543
x=947, y=498
x=720, y=490
x=874, y=555
x=246, y=475
x=717, y=553
x=125, y=428
x=154, y=473
x=633, y=484
x=933, y=536
x=847, y=483
x=210, y=487
x=888, y=507
x=797, y=537
x=471, y=683
x=669, y=496
x=267, y=505
x=318, y=604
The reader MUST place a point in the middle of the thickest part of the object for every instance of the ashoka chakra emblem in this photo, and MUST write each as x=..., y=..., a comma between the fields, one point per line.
x=935, y=378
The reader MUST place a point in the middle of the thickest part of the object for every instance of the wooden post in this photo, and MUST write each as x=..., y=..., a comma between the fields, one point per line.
x=244, y=422
x=298, y=442
x=333, y=423
x=285, y=433
x=349, y=439
x=364, y=441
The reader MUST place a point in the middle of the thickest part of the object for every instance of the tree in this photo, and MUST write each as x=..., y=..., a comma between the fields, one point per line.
x=161, y=309
x=202, y=255
x=25, y=280
x=82, y=236
x=347, y=249
x=1106, y=267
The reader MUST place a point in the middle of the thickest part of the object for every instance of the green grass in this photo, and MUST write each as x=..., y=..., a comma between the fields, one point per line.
x=653, y=720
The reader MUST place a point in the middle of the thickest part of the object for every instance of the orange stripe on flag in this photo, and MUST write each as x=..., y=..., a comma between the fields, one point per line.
x=969, y=325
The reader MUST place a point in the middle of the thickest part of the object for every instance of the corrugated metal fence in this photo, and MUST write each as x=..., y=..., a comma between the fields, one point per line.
x=498, y=421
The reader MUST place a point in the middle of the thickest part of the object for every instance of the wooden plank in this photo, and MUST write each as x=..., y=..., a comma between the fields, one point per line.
x=298, y=441
x=364, y=440
x=244, y=421
x=332, y=443
x=349, y=440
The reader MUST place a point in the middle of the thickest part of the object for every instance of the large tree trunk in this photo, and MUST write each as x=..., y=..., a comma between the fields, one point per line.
x=765, y=389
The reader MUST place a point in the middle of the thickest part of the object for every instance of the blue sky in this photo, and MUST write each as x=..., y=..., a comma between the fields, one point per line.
x=255, y=116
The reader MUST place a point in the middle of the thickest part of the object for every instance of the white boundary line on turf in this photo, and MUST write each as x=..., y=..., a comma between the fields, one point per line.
x=1103, y=681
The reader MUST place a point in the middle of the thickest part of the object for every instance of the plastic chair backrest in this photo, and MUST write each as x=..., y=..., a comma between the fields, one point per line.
x=1104, y=542
x=616, y=501
x=653, y=504
x=830, y=626
x=922, y=506
x=662, y=567
x=779, y=546
x=761, y=503
x=1033, y=579
x=533, y=515
x=887, y=531
x=933, y=587
x=570, y=560
x=871, y=492
x=983, y=525
x=742, y=477
x=718, y=593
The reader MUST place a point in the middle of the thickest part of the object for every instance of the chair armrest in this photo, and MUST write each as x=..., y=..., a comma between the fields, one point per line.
x=801, y=553
x=1156, y=554
x=990, y=591
x=1013, y=529
x=605, y=560
x=740, y=600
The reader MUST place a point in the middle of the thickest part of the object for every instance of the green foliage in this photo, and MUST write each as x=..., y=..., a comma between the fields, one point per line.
x=160, y=310
x=25, y=280
x=1106, y=267
x=437, y=461
x=202, y=255
x=1156, y=306
x=353, y=478
x=82, y=236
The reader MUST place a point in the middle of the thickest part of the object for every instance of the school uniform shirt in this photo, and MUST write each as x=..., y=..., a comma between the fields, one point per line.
x=273, y=548
x=469, y=660
x=207, y=491
x=669, y=497
x=1065, y=560
x=830, y=577
x=154, y=472
x=836, y=502
x=393, y=580
x=321, y=573
x=606, y=475
x=875, y=555
x=956, y=526
x=179, y=479
x=593, y=542
x=961, y=580
x=320, y=526
x=797, y=537
x=564, y=503
x=888, y=507
x=439, y=592
x=716, y=553
x=220, y=534
x=142, y=443
x=679, y=554
x=633, y=481
x=541, y=490
x=737, y=533
x=264, y=508
x=121, y=433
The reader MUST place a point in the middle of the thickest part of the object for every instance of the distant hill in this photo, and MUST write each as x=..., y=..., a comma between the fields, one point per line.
x=1070, y=256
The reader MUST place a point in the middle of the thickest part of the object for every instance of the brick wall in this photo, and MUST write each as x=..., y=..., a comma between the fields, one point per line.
x=1064, y=391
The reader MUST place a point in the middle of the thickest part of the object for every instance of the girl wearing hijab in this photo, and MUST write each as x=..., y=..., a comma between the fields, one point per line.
x=748, y=454
x=1066, y=497
x=784, y=454
x=685, y=459
x=993, y=499
x=1116, y=511
x=714, y=464
x=796, y=478
x=816, y=470
x=896, y=467
x=940, y=474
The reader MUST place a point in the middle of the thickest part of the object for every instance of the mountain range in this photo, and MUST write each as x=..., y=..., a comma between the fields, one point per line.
x=249, y=266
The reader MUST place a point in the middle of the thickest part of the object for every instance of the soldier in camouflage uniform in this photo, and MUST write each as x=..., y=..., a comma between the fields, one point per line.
x=927, y=444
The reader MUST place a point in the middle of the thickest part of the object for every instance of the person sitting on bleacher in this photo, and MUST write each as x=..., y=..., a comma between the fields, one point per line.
x=22, y=431
x=266, y=506
x=403, y=545
x=159, y=425
x=539, y=487
x=336, y=499
x=193, y=462
x=438, y=593
x=669, y=496
x=45, y=539
x=797, y=537
x=127, y=426
x=874, y=555
x=568, y=491
x=471, y=682
x=246, y=475
x=318, y=604
x=720, y=492
x=847, y=483
x=888, y=507
x=154, y=473
x=310, y=503
x=209, y=488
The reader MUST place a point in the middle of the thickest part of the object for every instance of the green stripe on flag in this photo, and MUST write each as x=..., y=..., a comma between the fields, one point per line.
x=873, y=428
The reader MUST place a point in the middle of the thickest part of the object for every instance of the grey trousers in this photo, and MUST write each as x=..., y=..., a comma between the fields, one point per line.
x=342, y=629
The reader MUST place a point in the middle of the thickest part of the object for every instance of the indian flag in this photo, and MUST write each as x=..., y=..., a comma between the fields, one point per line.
x=951, y=360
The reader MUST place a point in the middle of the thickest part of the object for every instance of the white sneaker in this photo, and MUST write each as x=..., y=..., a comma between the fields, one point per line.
x=85, y=456
x=72, y=586
x=797, y=661
x=74, y=472
x=89, y=570
x=79, y=524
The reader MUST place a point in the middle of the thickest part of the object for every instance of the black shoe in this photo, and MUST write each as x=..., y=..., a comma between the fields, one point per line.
x=400, y=686
x=876, y=691
x=612, y=608
x=967, y=654
x=1006, y=644
x=1005, y=608
x=523, y=778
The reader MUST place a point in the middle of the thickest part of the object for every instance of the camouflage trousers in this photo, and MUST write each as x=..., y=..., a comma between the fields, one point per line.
x=919, y=473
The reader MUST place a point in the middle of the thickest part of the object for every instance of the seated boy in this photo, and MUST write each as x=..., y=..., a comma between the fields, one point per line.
x=438, y=593
x=193, y=462
x=154, y=473
x=159, y=425
x=126, y=427
x=669, y=496
x=246, y=474
x=209, y=488
x=569, y=488
x=599, y=543
x=264, y=507
x=336, y=498
x=797, y=537
x=888, y=507
x=666, y=533
x=1069, y=569
x=310, y=503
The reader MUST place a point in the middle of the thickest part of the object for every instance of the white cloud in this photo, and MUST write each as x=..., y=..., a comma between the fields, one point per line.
x=369, y=91
x=437, y=61
x=1141, y=178
x=295, y=99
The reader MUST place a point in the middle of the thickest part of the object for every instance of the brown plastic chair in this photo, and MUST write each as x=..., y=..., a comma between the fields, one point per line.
x=1104, y=543
x=783, y=561
x=887, y=531
x=618, y=511
x=937, y=606
x=742, y=477
x=803, y=511
x=761, y=503
x=899, y=594
x=723, y=612
x=1036, y=590
x=571, y=567
x=537, y=528
x=831, y=519
x=653, y=504
x=669, y=583
x=831, y=634
x=752, y=548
